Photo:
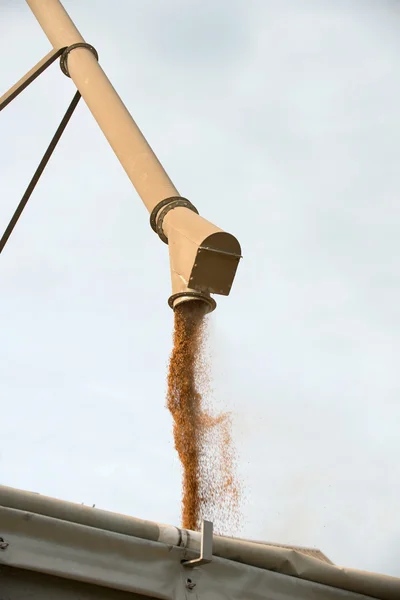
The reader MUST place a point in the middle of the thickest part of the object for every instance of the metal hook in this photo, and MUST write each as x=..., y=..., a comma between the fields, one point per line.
x=206, y=547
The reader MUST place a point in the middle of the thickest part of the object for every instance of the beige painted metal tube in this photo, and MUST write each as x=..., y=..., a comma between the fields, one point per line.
x=124, y=136
x=203, y=258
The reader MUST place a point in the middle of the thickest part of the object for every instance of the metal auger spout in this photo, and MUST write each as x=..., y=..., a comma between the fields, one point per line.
x=203, y=258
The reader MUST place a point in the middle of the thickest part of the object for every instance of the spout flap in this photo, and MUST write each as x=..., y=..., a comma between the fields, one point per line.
x=203, y=257
x=215, y=265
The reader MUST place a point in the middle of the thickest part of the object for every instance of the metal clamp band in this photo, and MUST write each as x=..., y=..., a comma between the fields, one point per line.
x=160, y=211
x=64, y=55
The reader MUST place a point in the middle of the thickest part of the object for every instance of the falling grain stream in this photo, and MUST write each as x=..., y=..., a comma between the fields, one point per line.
x=202, y=438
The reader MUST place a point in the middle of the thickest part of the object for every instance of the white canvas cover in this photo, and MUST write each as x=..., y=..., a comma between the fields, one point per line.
x=102, y=557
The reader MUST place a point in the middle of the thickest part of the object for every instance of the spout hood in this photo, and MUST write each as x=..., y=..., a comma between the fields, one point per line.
x=203, y=258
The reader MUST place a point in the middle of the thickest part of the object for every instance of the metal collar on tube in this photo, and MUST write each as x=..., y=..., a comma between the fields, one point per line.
x=161, y=210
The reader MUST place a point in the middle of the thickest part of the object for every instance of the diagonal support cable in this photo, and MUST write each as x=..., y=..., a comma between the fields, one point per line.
x=13, y=93
x=39, y=170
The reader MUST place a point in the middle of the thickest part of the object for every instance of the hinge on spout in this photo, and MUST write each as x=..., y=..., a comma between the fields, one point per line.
x=206, y=547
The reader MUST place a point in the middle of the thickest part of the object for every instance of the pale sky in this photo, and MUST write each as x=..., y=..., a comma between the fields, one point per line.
x=280, y=120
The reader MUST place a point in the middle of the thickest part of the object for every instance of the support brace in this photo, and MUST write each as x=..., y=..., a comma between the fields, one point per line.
x=12, y=94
